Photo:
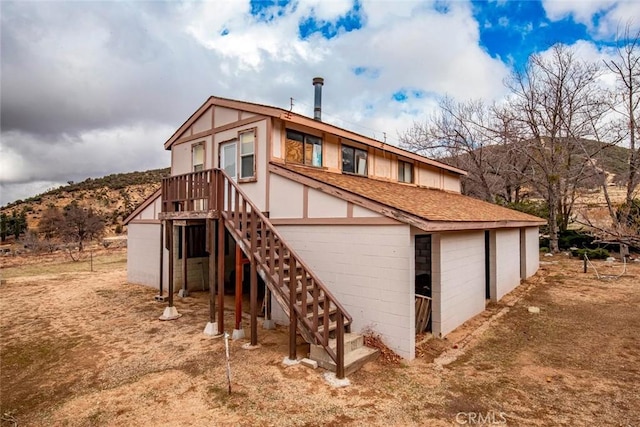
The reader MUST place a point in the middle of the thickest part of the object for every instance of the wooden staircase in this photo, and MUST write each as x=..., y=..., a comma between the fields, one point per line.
x=313, y=311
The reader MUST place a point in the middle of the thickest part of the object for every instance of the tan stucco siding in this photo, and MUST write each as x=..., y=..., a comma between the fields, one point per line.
x=321, y=205
x=246, y=115
x=203, y=123
x=290, y=199
x=458, y=279
x=224, y=116
x=150, y=212
x=277, y=140
x=382, y=166
x=451, y=182
x=331, y=156
x=360, y=212
x=428, y=177
x=181, y=155
x=370, y=271
x=285, y=198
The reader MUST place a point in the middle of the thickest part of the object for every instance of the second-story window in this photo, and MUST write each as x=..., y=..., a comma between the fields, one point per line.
x=304, y=149
x=197, y=157
x=247, y=154
x=354, y=160
x=405, y=171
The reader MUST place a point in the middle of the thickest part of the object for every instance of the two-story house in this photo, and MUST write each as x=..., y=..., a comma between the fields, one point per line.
x=347, y=232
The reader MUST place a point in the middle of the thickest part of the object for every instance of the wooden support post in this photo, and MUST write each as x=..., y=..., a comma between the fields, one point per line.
x=212, y=269
x=220, y=281
x=171, y=261
x=340, y=346
x=238, y=295
x=184, y=261
x=254, y=304
x=160, y=284
x=267, y=302
x=293, y=324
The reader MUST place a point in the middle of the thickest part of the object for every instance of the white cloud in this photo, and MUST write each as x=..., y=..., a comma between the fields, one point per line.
x=94, y=88
x=612, y=16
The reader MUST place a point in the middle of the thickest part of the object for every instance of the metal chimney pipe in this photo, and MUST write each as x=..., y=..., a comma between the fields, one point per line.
x=317, y=104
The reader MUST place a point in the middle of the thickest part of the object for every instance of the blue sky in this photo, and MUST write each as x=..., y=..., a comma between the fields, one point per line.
x=92, y=88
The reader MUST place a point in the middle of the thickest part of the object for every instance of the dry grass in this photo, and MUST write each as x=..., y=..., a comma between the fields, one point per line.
x=83, y=348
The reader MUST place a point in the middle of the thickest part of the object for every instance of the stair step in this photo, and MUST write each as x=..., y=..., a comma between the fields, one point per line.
x=351, y=342
x=333, y=310
x=353, y=360
x=333, y=325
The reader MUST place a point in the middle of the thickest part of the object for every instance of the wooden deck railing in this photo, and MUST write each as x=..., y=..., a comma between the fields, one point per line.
x=189, y=192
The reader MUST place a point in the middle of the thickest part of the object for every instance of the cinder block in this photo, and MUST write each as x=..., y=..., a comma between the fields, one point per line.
x=309, y=363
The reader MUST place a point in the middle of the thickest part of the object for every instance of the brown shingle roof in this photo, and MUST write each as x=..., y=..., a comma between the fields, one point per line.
x=427, y=203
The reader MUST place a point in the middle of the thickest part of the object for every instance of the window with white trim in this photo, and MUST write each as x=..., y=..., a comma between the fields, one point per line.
x=405, y=171
x=247, y=154
x=197, y=157
x=354, y=160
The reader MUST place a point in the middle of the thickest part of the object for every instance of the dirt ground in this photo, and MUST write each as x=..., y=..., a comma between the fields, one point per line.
x=82, y=348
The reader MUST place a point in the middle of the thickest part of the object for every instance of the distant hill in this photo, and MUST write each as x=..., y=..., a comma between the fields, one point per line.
x=113, y=196
x=612, y=160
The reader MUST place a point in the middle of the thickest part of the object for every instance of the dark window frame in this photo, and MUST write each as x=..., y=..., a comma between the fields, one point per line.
x=355, y=151
x=402, y=172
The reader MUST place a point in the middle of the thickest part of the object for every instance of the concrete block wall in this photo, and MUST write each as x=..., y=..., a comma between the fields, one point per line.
x=505, y=259
x=370, y=271
x=458, y=279
x=530, y=247
x=143, y=261
x=197, y=272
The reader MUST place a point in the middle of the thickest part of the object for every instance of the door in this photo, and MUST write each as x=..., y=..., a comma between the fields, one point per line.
x=229, y=163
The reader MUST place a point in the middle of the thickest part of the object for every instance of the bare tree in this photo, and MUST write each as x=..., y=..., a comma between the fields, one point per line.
x=459, y=134
x=49, y=227
x=80, y=224
x=556, y=103
x=626, y=67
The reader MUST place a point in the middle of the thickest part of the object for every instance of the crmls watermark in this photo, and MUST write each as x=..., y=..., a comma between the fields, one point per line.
x=481, y=418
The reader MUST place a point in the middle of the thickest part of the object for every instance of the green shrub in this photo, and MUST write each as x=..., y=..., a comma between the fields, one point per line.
x=598, y=253
x=575, y=239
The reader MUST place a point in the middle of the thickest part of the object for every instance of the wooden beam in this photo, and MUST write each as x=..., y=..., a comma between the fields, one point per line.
x=220, y=271
x=160, y=284
x=212, y=267
x=184, y=260
x=171, y=260
x=254, y=303
x=238, y=295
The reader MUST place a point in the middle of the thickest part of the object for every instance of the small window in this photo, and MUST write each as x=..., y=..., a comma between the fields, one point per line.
x=354, y=160
x=304, y=149
x=197, y=157
x=247, y=154
x=405, y=172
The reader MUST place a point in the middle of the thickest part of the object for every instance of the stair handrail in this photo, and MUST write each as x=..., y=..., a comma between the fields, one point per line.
x=273, y=229
x=341, y=313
